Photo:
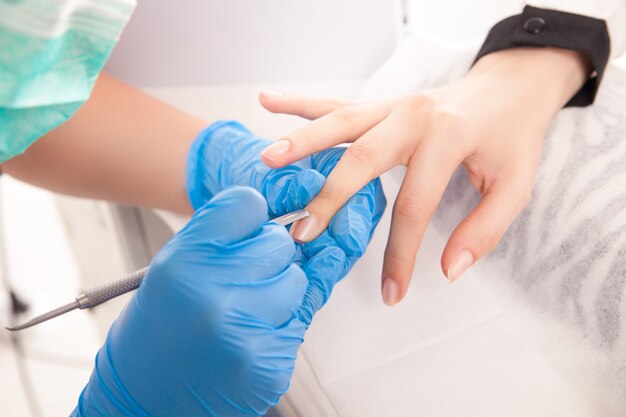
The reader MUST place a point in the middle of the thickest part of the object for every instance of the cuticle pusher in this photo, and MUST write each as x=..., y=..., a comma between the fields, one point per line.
x=103, y=293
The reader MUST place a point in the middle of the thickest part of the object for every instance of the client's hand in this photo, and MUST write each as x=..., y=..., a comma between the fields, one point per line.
x=215, y=327
x=492, y=122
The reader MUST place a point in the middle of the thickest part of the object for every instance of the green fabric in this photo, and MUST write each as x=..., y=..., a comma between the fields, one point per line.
x=45, y=78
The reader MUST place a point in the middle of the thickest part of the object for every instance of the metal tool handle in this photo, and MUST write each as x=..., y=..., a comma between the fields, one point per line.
x=132, y=281
x=106, y=292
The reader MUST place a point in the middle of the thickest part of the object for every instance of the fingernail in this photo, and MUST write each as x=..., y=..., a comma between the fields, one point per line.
x=390, y=292
x=276, y=149
x=273, y=93
x=302, y=229
x=459, y=265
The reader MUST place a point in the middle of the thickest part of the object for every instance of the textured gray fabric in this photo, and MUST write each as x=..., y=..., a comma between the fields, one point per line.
x=561, y=267
x=564, y=258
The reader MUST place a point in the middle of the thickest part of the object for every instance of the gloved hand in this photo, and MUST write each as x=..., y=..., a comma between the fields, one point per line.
x=227, y=154
x=215, y=327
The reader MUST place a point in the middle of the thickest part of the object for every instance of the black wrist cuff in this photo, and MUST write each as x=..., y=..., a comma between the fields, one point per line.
x=542, y=27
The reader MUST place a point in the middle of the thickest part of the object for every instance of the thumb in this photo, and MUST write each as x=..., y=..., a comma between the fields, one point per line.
x=231, y=216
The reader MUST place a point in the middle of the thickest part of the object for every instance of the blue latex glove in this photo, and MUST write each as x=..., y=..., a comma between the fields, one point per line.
x=227, y=154
x=215, y=327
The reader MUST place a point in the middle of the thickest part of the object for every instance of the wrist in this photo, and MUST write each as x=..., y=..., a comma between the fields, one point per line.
x=552, y=75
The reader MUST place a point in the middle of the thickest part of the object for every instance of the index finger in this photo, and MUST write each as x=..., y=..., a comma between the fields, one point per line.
x=371, y=155
x=307, y=107
x=344, y=124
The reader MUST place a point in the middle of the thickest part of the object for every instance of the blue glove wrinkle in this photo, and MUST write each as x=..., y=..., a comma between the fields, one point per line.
x=314, y=247
x=300, y=258
x=303, y=188
x=223, y=155
x=291, y=188
x=325, y=161
x=377, y=201
x=275, y=189
x=323, y=273
x=351, y=226
x=102, y=400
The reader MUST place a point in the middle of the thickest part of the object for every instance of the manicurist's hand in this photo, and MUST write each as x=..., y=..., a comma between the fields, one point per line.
x=492, y=121
x=226, y=154
x=215, y=327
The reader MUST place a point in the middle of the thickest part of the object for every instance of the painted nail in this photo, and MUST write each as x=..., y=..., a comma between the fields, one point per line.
x=301, y=230
x=459, y=265
x=273, y=93
x=390, y=292
x=276, y=149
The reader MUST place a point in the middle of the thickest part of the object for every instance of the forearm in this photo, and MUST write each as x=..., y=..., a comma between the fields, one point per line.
x=122, y=146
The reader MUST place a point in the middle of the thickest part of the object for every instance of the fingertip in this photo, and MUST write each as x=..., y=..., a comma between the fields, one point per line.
x=307, y=229
x=275, y=164
x=277, y=153
x=459, y=254
x=400, y=271
x=267, y=99
x=481, y=231
x=460, y=263
x=390, y=292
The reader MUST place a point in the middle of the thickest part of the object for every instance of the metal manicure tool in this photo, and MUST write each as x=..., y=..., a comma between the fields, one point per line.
x=103, y=293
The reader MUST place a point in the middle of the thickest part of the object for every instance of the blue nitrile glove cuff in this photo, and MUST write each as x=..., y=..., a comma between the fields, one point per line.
x=196, y=166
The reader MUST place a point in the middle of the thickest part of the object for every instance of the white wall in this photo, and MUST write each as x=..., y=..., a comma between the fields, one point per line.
x=203, y=42
x=456, y=20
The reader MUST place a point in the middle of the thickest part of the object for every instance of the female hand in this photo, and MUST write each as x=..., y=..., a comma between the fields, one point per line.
x=492, y=122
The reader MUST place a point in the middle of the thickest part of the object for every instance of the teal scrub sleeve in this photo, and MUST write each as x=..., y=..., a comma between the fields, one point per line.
x=51, y=53
x=214, y=329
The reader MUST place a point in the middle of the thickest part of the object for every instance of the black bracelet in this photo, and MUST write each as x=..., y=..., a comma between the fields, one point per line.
x=543, y=27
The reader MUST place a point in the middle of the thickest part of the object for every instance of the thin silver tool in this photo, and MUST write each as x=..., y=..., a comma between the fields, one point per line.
x=130, y=282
